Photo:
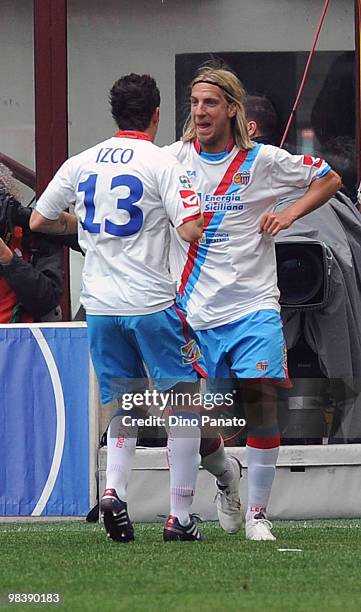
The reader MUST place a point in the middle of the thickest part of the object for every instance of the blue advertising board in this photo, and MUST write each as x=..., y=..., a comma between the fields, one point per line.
x=44, y=421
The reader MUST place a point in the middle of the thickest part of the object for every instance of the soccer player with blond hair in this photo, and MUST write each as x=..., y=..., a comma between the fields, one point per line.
x=228, y=280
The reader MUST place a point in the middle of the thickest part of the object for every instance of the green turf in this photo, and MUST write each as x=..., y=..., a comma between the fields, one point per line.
x=223, y=573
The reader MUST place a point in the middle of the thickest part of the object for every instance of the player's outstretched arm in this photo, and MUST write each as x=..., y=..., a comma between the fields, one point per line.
x=318, y=193
x=66, y=223
x=192, y=230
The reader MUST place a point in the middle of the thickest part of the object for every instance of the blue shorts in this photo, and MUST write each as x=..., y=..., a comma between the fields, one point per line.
x=252, y=347
x=121, y=345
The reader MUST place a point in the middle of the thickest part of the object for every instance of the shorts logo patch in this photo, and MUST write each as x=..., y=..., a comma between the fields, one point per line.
x=262, y=366
x=190, y=352
x=189, y=198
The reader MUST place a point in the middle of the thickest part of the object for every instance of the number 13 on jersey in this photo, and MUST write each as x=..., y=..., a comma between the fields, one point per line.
x=128, y=203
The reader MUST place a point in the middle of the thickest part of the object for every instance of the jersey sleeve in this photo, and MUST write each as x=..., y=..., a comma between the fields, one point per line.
x=58, y=195
x=289, y=171
x=174, y=149
x=179, y=198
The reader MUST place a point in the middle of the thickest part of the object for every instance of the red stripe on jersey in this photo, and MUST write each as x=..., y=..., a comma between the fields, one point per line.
x=191, y=257
x=130, y=134
x=264, y=443
x=192, y=218
x=192, y=254
x=221, y=190
x=197, y=146
x=187, y=338
x=231, y=170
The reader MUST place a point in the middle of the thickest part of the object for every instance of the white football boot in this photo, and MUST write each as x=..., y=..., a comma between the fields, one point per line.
x=228, y=502
x=259, y=528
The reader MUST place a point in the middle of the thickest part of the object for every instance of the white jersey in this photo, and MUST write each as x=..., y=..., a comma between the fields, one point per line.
x=126, y=191
x=232, y=271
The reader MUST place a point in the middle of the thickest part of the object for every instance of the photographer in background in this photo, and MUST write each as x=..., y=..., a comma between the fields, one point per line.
x=337, y=224
x=31, y=266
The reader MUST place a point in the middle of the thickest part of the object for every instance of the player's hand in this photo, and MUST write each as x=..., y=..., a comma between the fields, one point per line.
x=274, y=222
x=6, y=255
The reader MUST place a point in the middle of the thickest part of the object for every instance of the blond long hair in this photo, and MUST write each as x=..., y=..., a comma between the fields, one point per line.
x=234, y=92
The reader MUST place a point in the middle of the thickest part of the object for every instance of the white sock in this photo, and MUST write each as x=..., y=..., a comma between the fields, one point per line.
x=121, y=445
x=220, y=465
x=261, y=464
x=183, y=460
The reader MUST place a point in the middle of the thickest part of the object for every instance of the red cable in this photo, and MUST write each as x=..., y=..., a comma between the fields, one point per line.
x=305, y=73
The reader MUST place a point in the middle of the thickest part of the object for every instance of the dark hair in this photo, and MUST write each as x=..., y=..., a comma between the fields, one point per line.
x=133, y=100
x=340, y=153
x=260, y=109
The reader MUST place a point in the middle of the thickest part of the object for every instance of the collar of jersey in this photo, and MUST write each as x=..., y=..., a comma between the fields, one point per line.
x=132, y=134
x=213, y=157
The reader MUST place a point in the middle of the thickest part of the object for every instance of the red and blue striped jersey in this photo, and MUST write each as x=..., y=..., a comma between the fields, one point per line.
x=231, y=271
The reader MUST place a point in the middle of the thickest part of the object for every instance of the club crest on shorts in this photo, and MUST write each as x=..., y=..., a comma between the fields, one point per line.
x=242, y=178
x=190, y=352
x=262, y=366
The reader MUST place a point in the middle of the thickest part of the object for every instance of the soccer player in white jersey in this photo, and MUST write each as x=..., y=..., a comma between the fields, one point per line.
x=126, y=191
x=228, y=283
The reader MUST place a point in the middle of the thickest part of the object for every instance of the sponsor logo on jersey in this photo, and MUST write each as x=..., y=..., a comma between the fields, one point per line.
x=262, y=366
x=189, y=198
x=192, y=173
x=224, y=203
x=184, y=181
x=242, y=178
x=190, y=352
x=220, y=237
x=216, y=237
x=308, y=160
